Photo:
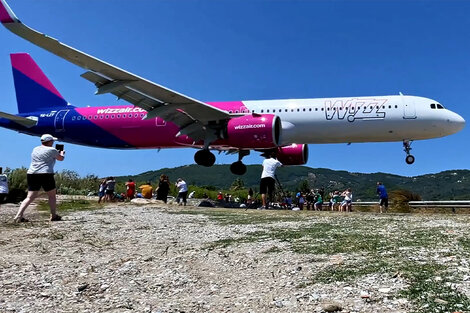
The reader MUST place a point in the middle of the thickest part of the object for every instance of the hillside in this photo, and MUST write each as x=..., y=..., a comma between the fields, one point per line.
x=452, y=184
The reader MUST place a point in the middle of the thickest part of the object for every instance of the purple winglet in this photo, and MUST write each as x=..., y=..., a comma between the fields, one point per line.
x=6, y=16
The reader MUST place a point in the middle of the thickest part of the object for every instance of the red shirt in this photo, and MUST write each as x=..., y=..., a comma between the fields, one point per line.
x=130, y=188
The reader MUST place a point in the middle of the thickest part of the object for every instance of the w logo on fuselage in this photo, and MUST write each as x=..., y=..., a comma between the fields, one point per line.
x=355, y=109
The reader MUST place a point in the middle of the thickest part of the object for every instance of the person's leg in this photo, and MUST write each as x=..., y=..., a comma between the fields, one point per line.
x=178, y=198
x=51, y=194
x=263, y=198
x=185, y=194
x=26, y=202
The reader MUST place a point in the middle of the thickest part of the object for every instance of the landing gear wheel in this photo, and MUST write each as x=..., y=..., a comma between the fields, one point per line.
x=409, y=159
x=204, y=157
x=238, y=168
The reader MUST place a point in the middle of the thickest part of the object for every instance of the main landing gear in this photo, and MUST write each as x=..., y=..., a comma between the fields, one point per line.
x=238, y=168
x=410, y=159
x=204, y=157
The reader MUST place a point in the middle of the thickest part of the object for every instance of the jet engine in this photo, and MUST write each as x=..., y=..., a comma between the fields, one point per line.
x=254, y=131
x=293, y=155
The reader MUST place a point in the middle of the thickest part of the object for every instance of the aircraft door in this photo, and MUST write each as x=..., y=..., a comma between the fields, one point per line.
x=59, y=122
x=409, y=109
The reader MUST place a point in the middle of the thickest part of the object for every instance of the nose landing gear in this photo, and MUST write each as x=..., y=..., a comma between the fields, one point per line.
x=410, y=159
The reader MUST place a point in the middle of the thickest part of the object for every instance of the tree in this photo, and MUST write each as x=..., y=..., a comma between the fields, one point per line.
x=238, y=184
x=304, y=186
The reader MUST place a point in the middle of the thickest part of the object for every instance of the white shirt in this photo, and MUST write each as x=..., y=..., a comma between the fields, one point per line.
x=182, y=186
x=3, y=184
x=269, y=167
x=42, y=160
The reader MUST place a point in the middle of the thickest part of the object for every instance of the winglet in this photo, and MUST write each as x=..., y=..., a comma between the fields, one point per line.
x=6, y=14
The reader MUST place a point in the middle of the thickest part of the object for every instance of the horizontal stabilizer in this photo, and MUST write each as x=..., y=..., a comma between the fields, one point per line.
x=24, y=121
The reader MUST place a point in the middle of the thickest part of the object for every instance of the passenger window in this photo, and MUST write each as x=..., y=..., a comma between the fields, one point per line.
x=267, y=111
x=96, y=117
x=310, y=109
x=389, y=106
x=79, y=117
x=107, y=116
x=316, y=109
x=298, y=110
x=322, y=109
x=73, y=118
x=286, y=110
x=101, y=117
x=112, y=116
x=304, y=109
x=119, y=116
x=280, y=110
x=89, y=117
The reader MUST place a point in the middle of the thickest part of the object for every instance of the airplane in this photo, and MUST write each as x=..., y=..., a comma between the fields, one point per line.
x=158, y=117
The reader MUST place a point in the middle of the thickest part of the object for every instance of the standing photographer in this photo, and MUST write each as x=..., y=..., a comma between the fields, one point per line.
x=41, y=174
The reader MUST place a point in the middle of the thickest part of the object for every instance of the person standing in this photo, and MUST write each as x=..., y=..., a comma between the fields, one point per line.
x=163, y=188
x=41, y=175
x=110, y=184
x=382, y=192
x=346, y=205
x=182, y=191
x=268, y=176
x=101, y=191
x=3, y=187
x=130, y=189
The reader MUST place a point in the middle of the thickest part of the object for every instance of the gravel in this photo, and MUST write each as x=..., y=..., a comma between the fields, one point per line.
x=158, y=258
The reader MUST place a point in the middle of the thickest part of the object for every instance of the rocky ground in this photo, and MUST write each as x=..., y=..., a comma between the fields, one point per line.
x=163, y=258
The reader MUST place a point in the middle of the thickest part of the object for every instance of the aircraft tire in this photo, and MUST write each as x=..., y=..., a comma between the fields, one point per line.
x=204, y=158
x=409, y=159
x=238, y=168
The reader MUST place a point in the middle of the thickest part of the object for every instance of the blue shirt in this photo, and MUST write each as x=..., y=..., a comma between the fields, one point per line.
x=382, y=192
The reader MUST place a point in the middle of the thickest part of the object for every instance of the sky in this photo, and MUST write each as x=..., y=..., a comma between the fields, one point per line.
x=254, y=50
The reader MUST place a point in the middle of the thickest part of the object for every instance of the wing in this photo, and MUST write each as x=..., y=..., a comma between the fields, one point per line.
x=191, y=115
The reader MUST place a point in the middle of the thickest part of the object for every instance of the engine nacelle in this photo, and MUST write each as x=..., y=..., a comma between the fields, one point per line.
x=293, y=155
x=254, y=131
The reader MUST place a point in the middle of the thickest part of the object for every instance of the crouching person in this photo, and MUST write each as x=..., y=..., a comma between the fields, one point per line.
x=41, y=174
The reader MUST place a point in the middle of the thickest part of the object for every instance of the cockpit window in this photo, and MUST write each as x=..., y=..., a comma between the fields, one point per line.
x=433, y=105
x=439, y=106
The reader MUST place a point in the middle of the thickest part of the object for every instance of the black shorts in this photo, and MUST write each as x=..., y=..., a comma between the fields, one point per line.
x=267, y=185
x=384, y=202
x=36, y=181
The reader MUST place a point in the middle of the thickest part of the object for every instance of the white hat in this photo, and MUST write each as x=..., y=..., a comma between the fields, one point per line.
x=47, y=137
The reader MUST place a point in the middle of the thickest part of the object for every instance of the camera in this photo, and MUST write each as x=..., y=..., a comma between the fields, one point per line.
x=59, y=147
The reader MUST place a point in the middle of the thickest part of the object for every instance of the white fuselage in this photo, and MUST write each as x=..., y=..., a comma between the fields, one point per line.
x=360, y=119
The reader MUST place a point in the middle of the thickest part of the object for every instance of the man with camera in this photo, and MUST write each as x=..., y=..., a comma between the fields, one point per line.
x=41, y=174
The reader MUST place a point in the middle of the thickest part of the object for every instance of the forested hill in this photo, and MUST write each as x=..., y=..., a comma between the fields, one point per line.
x=453, y=184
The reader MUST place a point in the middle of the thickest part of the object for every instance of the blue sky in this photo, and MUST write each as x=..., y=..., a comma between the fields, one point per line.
x=251, y=50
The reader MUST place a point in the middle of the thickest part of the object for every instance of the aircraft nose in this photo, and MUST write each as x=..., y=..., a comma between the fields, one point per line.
x=456, y=121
